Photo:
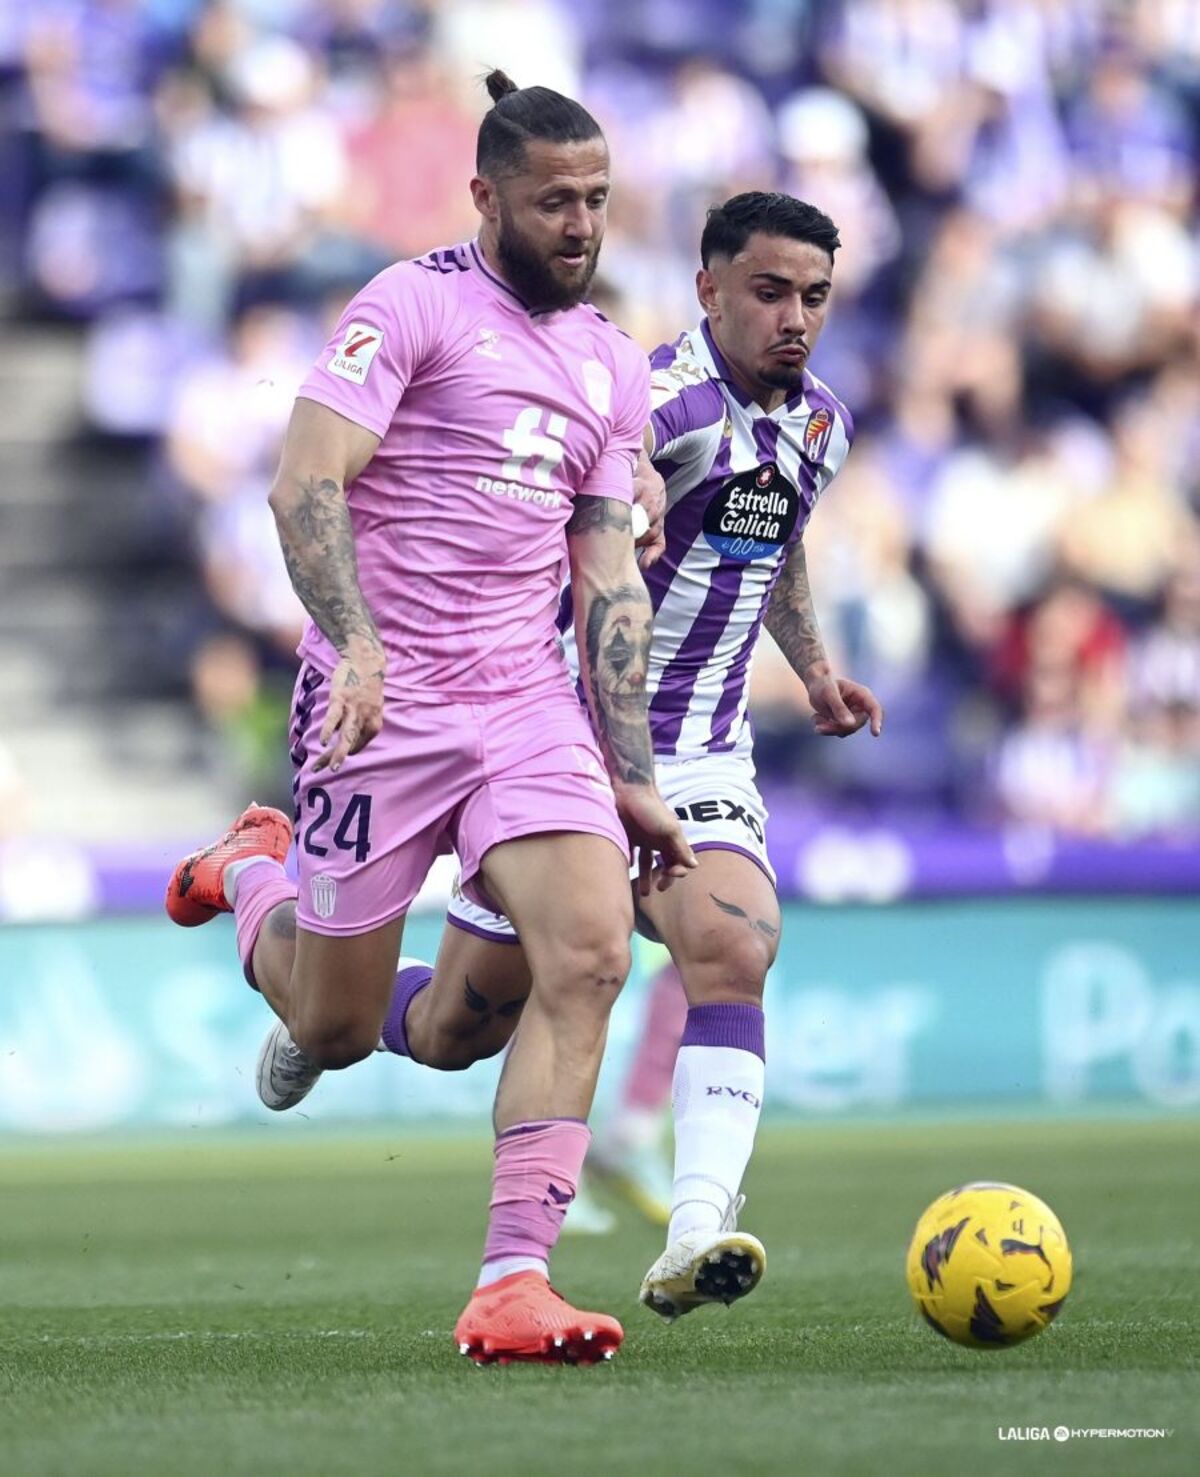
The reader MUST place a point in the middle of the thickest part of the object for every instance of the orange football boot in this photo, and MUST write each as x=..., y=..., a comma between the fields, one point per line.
x=196, y=891
x=521, y=1318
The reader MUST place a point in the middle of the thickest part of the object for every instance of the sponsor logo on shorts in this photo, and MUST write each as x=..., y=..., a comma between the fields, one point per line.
x=708, y=811
x=324, y=895
x=592, y=768
x=352, y=358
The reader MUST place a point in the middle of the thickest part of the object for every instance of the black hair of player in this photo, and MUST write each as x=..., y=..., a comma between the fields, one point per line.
x=731, y=225
x=519, y=114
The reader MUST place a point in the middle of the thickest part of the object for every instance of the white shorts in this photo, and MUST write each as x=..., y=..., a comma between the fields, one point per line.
x=714, y=796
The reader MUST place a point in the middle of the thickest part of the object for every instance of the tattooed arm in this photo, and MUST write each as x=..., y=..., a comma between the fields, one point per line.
x=613, y=625
x=321, y=453
x=840, y=707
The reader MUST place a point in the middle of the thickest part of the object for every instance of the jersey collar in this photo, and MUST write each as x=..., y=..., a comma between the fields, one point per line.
x=501, y=288
x=725, y=375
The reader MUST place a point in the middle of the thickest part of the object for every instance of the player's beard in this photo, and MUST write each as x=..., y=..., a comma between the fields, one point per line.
x=784, y=378
x=529, y=273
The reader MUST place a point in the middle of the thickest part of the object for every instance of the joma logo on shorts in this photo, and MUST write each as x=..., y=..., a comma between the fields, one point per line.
x=707, y=811
x=735, y=1092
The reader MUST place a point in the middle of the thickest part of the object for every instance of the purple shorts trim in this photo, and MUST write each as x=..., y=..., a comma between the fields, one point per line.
x=482, y=933
x=740, y=850
x=742, y=1027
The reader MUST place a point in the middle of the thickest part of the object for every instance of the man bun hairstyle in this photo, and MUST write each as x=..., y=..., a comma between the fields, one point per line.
x=499, y=84
x=519, y=114
x=731, y=225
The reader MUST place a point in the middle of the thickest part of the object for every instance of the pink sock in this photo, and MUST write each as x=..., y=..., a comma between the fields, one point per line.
x=259, y=889
x=646, y=1090
x=533, y=1182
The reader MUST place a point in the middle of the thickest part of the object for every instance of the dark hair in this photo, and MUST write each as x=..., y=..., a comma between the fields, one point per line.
x=519, y=114
x=731, y=225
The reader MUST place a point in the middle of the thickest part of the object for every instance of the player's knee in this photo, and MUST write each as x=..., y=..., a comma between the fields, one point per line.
x=336, y=1044
x=733, y=970
x=586, y=975
x=455, y=1051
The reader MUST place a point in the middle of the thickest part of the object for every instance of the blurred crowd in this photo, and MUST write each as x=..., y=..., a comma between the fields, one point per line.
x=1011, y=556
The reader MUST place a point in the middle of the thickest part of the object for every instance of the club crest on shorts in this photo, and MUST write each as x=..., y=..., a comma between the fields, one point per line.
x=816, y=435
x=324, y=895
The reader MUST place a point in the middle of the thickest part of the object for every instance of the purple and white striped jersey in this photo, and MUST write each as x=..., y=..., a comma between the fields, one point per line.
x=741, y=484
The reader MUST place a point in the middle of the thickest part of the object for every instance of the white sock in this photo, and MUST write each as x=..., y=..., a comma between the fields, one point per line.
x=505, y=1266
x=717, y=1098
x=229, y=880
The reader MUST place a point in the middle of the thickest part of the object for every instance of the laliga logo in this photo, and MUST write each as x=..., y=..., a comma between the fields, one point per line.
x=353, y=357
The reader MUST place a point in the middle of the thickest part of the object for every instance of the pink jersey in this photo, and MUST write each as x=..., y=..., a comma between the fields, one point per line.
x=493, y=420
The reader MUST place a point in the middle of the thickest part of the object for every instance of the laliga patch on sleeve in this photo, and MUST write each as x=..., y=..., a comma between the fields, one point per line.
x=352, y=358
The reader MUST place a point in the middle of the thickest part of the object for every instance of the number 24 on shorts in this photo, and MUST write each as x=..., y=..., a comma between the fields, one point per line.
x=353, y=831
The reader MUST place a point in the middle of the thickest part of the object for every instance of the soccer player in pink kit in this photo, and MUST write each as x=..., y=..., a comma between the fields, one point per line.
x=471, y=427
x=748, y=440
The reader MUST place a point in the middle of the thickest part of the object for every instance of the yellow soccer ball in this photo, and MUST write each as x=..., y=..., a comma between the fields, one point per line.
x=988, y=1265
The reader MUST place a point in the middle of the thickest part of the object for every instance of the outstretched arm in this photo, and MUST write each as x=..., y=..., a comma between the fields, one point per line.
x=613, y=625
x=840, y=707
x=322, y=452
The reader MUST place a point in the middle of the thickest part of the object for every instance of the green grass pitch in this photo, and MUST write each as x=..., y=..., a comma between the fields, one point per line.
x=266, y=1303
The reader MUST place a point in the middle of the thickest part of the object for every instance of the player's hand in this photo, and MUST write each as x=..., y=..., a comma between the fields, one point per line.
x=841, y=707
x=650, y=495
x=652, y=826
x=355, y=714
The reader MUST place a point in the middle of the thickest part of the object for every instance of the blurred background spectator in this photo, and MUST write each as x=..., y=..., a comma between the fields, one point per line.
x=190, y=188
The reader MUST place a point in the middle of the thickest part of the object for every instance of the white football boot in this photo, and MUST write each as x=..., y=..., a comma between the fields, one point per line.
x=705, y=1267
x=286, y=1075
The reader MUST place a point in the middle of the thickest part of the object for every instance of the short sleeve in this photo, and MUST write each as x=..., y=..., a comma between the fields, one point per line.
x=612, y=476
x=684, y=410
x=384, y=336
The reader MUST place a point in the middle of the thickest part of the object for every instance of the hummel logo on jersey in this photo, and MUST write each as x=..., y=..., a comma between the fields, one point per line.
x=488, y=343
x=352, y=359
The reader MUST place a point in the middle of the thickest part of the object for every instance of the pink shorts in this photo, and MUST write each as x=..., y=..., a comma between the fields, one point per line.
x=440, y=777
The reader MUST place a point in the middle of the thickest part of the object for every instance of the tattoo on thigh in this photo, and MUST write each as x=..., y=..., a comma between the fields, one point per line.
x=770, y=929
x=478, y=1002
